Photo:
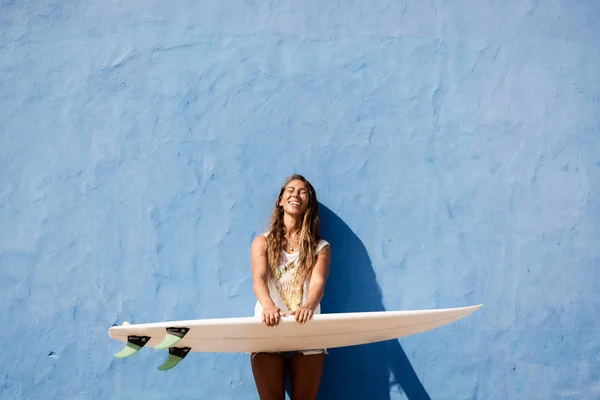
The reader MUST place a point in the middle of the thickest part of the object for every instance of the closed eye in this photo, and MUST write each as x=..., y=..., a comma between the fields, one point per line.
x=292, y=188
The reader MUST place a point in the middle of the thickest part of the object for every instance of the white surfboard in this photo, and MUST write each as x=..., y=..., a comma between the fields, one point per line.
x=249, y=334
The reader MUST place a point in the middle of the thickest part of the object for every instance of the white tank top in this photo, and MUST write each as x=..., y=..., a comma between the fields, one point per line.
x=284, y=291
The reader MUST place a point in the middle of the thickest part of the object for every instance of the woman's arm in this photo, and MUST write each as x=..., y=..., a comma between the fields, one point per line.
x=260, y=276
x=316, y=288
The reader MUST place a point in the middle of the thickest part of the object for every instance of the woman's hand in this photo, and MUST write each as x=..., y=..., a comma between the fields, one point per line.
x=303, y=314
x=270, y=315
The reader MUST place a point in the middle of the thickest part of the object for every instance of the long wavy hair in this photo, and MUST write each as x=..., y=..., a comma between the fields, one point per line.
x=309, y=232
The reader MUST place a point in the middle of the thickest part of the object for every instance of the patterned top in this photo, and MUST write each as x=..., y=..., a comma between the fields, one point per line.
x=286, y=290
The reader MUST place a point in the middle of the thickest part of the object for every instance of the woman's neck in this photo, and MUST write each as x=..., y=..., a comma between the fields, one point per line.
x=292, y=225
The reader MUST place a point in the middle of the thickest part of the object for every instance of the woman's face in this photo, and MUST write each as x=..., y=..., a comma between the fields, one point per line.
x=294, y=198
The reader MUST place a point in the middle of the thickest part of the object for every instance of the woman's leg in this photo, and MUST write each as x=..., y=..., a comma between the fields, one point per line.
x=269, y=375
x=305, y=373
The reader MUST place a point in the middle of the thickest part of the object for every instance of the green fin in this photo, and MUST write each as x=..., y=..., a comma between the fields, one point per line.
x=170, y=363
x=128, y=350
x=168, y=341
x=173, y=336
x=134, y=344
x=175, y=357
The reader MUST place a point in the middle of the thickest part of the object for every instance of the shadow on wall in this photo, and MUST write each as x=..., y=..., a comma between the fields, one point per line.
x=368, y=371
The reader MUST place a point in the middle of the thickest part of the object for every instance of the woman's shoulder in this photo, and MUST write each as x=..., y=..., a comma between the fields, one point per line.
x=322, y=244
x=262, y=236
x=259, y=243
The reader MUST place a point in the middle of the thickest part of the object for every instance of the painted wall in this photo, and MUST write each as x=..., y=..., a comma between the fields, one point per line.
x=454, y=145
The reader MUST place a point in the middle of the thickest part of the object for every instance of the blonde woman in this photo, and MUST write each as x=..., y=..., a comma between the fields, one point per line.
x=290, y=265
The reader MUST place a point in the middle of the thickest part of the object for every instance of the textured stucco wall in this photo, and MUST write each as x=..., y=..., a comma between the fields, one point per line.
x=454, y=145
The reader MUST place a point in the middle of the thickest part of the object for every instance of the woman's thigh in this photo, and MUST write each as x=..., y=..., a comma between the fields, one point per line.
x=269, y=374
x=305, y=374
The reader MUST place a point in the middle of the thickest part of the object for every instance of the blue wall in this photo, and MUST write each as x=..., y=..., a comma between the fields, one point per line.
x=455, y=147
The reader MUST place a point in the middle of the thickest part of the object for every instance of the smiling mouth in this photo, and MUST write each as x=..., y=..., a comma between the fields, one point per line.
x=294, y=203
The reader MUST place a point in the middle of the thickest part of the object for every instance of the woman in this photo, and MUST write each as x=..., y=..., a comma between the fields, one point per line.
x=290, y=265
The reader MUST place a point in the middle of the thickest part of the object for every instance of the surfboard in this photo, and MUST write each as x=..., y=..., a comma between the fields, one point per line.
x=249, y=334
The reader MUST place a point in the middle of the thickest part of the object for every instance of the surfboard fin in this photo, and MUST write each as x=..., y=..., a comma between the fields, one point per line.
x=134, y=344
x=176, y=354
x=173, y=336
